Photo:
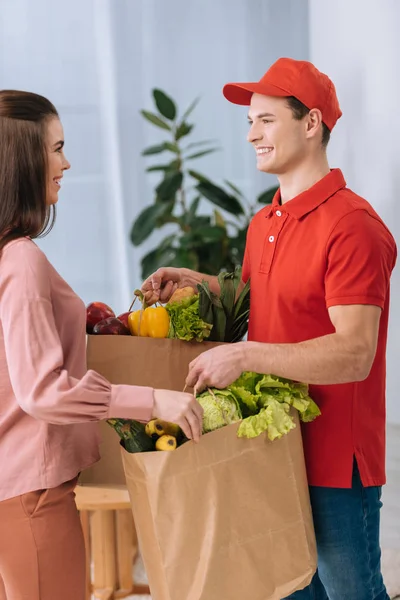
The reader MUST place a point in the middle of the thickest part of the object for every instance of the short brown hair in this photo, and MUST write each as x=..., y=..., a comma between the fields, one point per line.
x=300, y=110
x=23, y=165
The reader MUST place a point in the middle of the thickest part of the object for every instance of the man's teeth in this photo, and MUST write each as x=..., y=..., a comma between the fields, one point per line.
x=263, y=150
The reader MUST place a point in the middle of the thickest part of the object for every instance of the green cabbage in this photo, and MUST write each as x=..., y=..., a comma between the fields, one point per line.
x=185, y=322
x=264, y=401
x=274, y=419
x=220, y=408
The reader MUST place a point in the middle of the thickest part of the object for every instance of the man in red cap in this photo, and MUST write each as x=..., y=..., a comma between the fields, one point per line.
x=319, y=260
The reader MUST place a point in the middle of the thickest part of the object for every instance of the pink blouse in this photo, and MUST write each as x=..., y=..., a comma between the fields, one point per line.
x=49, y=402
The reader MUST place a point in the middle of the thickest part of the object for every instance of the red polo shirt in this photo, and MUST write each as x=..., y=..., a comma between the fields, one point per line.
x=323, y=248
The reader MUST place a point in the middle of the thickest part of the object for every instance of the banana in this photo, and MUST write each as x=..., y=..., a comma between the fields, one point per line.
x=166, y=442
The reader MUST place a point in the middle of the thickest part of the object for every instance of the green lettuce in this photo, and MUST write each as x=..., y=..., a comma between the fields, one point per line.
x=274, y=419
x=264, y=401
x=220, y=408
x=185, y=322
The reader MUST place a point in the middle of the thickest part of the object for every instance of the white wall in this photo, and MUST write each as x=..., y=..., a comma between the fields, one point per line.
x=98, y=60
x=357, y=44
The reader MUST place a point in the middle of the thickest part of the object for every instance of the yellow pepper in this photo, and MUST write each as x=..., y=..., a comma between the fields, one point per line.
x=150, y=322
x=157, y=321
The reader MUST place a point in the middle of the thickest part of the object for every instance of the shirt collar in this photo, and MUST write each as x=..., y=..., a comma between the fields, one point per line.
x=307, y=201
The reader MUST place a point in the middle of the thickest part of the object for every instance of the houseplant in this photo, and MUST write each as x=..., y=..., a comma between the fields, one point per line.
x=208, y=243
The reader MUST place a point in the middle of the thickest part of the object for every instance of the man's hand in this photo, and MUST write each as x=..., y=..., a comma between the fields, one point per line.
x=217, y=367
x=160, y=286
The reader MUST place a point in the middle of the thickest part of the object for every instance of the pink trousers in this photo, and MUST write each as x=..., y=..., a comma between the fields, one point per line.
x=42, y=554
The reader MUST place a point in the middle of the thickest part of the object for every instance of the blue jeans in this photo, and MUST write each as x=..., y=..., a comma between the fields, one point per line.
x=346, y=525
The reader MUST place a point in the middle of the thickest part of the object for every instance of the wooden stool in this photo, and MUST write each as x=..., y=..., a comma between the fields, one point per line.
x=110, y=541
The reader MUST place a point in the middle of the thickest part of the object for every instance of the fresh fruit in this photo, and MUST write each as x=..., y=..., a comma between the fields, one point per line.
x=95, y=312
x=150, y=428
x=150, y=322
x=166, y=442
x=110, y=326
x=137, y=323
x=157, y=428
x=123, y=317
x=181, y=293
x=157, y=321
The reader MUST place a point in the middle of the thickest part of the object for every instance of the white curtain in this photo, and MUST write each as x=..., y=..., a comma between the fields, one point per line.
x=98, y=61
x=356, y=42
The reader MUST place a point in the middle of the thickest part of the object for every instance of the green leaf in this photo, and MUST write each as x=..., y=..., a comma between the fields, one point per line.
x=202, y=153
x=155, y=120
x=198, y=176
x=182, y=130
x=171, y=147
x=190, y=109
x=154, y=150
x=220, y=198
x=161, y=148
x=234, y=188
x=165, y=104
x=201, y=143
x=267, y=196
x=184, y=259
x=158, y=168
x=193, y=209
x=145, y=223
x=169, y=185
x=155, y=259
x=210, y=233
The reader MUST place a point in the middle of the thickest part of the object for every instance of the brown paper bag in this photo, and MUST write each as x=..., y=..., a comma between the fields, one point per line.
x=158, y=363
x=225, y=519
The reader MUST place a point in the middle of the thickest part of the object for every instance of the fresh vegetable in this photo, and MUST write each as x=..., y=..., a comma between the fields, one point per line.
x=181, y=293
x=185, y=322
x=153, y=322
x=262, y=402
x=228, y=312
x=157, y=427
x=133, y=435
x=220, y=408
x=166, y=442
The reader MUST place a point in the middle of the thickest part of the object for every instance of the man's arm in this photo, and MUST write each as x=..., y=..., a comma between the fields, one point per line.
x=341, y=357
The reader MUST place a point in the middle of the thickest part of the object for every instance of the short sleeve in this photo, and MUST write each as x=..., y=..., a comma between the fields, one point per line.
x=361, y=254
x=246, y=265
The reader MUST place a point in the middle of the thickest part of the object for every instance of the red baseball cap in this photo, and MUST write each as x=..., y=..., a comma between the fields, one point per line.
x=289, y=77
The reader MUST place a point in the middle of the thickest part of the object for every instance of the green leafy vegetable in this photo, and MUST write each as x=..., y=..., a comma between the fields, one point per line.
x=220, y=408
x=228, y=312
x=185, y=321
x=264, y=401
x=274, y=419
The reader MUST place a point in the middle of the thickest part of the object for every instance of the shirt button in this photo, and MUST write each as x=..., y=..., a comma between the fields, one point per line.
x=271, y=238
x=278, y=213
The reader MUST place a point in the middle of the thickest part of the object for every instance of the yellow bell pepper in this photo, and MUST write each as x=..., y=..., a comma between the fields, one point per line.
x=137, y=323
x=157, y=321
x=150, y=322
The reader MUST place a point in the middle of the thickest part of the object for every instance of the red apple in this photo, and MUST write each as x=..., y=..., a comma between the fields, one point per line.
x=110, y=326
x=124, y=318
x=95, y=312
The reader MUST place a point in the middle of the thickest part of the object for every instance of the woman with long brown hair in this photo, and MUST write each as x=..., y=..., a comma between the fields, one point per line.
x=49, y=402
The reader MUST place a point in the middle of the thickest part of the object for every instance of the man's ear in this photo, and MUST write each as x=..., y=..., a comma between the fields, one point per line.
x=314, y=122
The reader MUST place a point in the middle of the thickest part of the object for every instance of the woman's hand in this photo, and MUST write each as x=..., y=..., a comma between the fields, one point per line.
x=180, y=408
